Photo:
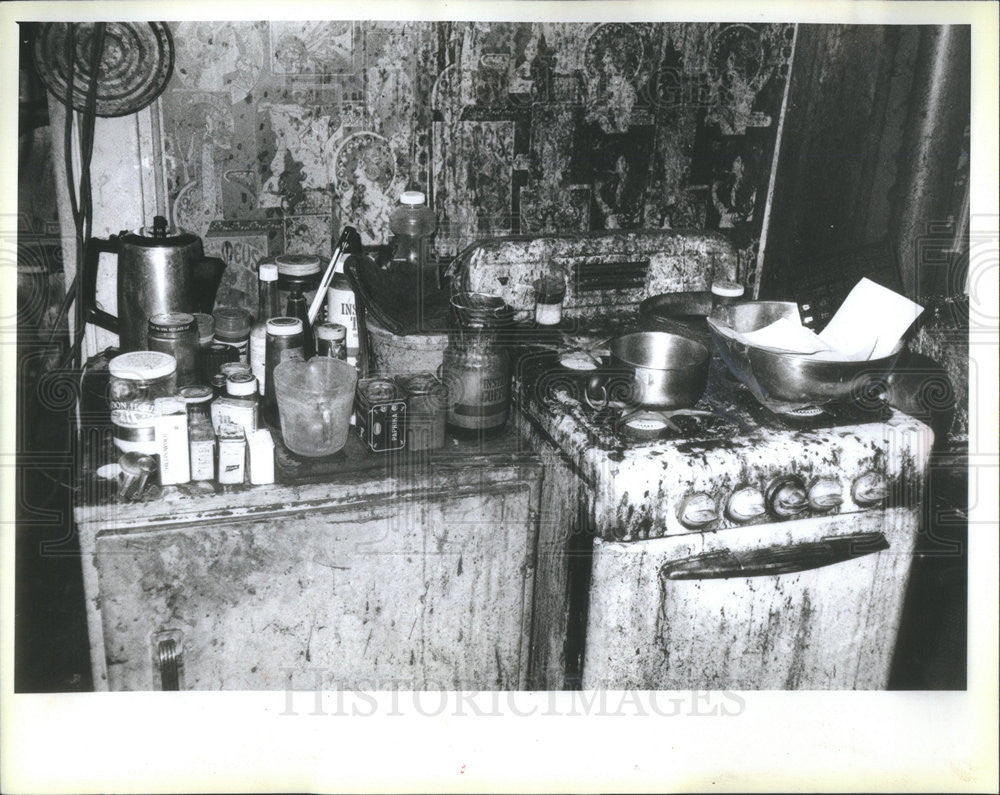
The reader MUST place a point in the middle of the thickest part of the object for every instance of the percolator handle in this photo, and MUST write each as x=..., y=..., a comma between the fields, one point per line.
x=93, y=249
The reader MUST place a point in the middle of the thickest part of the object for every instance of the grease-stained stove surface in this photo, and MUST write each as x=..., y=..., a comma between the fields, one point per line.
x=639, y=484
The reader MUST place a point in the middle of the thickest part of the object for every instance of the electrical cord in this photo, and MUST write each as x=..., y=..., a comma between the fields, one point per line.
x=81, y=207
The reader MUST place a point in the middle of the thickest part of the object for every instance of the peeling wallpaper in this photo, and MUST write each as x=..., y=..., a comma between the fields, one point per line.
x=275, y=134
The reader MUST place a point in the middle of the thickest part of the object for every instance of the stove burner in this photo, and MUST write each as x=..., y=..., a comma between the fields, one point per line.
x=579, y=360
x=649, y=424
x=805, y=411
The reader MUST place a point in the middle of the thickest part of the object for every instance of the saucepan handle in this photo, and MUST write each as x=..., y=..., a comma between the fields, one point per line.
x=95, y=246
x=605, y=384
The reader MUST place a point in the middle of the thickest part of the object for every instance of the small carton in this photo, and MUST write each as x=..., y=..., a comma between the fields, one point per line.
x=260, y=456
x=232, y=454
x=171, y=435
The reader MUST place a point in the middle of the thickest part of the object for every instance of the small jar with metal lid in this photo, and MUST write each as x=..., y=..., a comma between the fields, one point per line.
x=136, y=380
x=230, y=369
x=427, y=400
x=725, y=293
x=218, y=384
x=176, y=334
x=216, y=355
x=232, y=327
x=284, y=341
x=331, y=340
x=241, y=384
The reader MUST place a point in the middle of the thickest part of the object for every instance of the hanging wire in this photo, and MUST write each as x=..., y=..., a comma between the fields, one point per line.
x=80, y=198
x=81, y=205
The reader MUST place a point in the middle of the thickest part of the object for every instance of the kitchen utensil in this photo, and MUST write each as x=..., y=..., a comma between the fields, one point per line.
x=343, y=243
x=159, y=271
x=787, y=381
x=651, y=368
x=137, y=59
x=315, y=399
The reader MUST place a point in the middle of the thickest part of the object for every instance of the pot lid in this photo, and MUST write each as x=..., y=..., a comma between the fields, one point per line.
x=160, y=235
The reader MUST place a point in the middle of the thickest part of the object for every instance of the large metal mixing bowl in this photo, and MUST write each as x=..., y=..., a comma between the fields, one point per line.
x=787, y=380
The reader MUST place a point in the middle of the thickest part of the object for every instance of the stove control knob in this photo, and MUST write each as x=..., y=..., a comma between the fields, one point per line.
x=698, y=510
x=870, y=489
x=825, y=494
x=786, y=497
x=745, y=505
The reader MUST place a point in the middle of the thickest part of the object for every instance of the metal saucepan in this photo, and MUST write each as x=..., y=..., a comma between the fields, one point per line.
x=651, y=368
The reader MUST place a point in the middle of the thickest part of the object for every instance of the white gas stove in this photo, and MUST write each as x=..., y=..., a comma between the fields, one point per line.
x=728, y=547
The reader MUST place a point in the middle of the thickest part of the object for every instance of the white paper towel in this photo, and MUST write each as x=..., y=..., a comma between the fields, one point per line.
x=868, y=325
x=872, y=317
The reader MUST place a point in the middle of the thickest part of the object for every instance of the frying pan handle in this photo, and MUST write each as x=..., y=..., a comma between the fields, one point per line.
x=95, y=246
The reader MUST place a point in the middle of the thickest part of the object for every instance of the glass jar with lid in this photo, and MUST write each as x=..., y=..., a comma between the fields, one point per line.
x=232, y=327
x=136, y=380
x=176, y=333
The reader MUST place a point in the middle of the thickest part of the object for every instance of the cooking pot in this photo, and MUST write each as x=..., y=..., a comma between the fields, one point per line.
x=651, y=368
x=159, y=271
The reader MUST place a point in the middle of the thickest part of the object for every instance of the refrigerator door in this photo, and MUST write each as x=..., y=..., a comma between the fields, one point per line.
x=808, y=604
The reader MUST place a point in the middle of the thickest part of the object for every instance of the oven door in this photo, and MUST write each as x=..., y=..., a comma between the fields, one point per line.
x=807, y=604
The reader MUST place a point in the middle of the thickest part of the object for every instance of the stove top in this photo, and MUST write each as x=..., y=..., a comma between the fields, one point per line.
x=726, y=410
x=659, y=473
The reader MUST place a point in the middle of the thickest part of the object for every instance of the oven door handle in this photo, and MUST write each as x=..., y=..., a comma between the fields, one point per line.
x=768, y=561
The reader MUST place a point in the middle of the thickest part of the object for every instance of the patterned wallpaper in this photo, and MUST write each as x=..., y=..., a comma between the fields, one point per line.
x=277, y=133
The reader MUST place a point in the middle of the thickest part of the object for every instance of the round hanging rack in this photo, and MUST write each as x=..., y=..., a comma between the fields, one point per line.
x=136, y=62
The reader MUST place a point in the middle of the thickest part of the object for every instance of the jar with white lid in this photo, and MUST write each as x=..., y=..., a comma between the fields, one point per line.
x=136, y=380
x=725, y=293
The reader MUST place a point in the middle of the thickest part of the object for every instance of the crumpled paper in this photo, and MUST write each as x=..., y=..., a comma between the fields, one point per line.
x=868, y=325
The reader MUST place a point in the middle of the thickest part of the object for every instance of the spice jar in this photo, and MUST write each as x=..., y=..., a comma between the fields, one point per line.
x=549, y=293
x=331, y=340
x=218, y=385
x=232, y=327
x=216, y=355
x=176, y=333
x=476, y=368
x=136, y=380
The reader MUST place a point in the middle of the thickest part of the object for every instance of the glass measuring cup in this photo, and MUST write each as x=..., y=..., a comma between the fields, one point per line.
x=315, y=399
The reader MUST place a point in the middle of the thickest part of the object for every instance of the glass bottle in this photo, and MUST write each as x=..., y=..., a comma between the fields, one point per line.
x=412, y=223
x=341, y=308
x=267, y=307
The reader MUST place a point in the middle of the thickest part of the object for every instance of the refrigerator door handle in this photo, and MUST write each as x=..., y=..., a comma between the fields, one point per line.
x=772, y=560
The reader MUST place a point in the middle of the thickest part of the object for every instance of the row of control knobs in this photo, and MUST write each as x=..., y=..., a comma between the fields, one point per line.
x=785, y=497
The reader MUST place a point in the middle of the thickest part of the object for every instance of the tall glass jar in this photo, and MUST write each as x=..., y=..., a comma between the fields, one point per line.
x=476, y=368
